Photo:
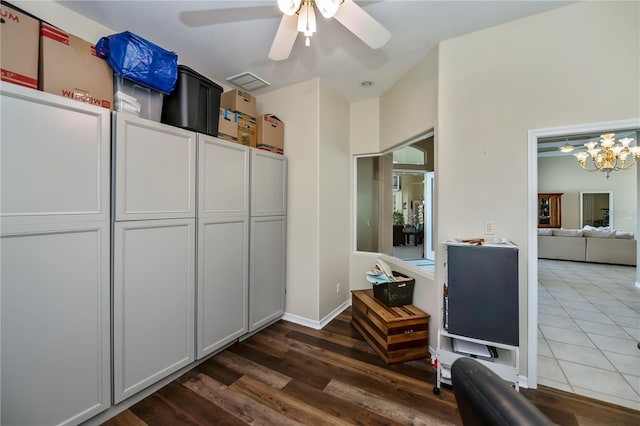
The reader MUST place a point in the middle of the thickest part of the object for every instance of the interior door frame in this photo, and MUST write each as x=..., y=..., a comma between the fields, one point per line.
x=532, y=261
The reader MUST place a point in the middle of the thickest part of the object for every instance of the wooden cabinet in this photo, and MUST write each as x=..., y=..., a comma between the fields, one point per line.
x=397, y=334
x=549, y=210
x=54, y=259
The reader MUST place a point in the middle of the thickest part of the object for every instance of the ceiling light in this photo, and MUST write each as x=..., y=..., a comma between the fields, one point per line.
x=289, y=7
x=307, y=20
x=566, y=148
x=609, y=156
x=328, y=8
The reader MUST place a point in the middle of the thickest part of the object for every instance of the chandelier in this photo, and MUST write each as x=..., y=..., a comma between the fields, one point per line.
x=609, y=156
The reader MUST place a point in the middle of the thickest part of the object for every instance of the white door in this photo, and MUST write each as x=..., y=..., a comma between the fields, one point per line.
x=222, y=285
x=153, y=301
x=55, y=323
x=268, y=184
x=223, y=177
x=267, y=270
x=154, y=170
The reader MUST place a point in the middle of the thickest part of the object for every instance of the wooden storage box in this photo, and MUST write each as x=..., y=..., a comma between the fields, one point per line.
x=397, y=334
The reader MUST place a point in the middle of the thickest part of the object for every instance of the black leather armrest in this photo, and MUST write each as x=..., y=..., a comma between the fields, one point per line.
x=485, y=399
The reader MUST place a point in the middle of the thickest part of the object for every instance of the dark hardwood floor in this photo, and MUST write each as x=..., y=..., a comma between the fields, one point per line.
x=293, y=375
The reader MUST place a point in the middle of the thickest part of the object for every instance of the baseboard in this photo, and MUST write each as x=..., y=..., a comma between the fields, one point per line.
x=317, y=325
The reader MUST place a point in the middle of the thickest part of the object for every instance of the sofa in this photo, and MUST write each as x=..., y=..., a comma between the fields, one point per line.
x=597, y=245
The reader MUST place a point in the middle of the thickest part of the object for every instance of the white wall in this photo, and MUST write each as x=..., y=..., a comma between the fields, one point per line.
x=334, y=192
x=576, y=64
x=409, y=108
x=364, y=126
x=298, y=107
x=562, y=174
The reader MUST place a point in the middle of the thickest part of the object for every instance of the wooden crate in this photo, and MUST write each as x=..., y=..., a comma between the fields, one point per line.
x=397, y=334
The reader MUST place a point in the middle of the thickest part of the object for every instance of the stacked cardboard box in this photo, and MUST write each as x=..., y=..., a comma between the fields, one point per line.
x=243, y=104
x=228, y=125
x=70, y=67
x=270, y=133
x=18, y=47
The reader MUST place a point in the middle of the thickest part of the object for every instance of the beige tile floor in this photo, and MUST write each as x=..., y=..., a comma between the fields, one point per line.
x=588, y=330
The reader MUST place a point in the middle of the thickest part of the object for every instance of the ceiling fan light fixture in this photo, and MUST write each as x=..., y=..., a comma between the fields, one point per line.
x=289, y=7
x=328, y=8
x=307, y=18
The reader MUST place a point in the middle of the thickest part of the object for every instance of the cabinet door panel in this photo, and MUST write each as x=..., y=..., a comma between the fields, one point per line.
x=267, y=270
x=223, y=263
x=55, y=323
x=154, y=170
x=223, y=177
x=55, y=158
x=153, y=306
x=268, y=184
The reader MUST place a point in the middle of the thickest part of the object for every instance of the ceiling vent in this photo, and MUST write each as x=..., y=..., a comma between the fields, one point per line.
x=248, y=81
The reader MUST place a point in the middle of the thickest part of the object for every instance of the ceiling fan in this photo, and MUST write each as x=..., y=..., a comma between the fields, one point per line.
x=299, y=16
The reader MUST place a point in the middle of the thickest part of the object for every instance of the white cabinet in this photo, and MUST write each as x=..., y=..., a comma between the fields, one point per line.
x=223, y=262
x=268, y=184
x=54, y=259
x=223, y=243
x=223, y=178
x=267, y=270
x=155, y=170
x=153, y=301
x=55, y=159
x=506, y=364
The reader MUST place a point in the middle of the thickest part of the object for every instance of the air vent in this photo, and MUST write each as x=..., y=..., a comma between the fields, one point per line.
x=248, y=81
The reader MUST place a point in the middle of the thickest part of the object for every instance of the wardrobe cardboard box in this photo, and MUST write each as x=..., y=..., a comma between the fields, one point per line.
x=247, y=130
x=18, y=47
x=70, y=67
x=270, y=133
x=239, y=101
x=228, y=125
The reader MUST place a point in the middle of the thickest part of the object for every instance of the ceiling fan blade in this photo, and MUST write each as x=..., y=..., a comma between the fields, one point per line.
x=359, y=22
x=284, y=39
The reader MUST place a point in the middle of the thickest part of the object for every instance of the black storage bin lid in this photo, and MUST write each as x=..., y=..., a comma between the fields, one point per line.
x=194, y=104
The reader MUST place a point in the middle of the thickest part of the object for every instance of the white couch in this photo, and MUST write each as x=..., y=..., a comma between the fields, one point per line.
x=598, y=246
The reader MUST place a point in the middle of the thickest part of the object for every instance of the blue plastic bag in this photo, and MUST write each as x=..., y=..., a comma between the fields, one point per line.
x=139, y=60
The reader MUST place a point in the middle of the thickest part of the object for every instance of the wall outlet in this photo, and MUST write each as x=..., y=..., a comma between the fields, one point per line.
x=338, y=288
x=488, y=227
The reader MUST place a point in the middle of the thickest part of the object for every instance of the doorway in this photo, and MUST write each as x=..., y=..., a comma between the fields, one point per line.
x=532, y=278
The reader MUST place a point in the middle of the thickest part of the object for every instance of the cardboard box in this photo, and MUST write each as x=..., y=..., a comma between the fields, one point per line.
x=70, y=67
x=18, y=47
x=247, y=130
x=270, y=133
x=239, y=101
x=228, y=125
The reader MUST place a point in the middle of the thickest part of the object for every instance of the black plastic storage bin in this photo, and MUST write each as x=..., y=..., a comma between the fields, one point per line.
x=194, y=104
x=396, y=293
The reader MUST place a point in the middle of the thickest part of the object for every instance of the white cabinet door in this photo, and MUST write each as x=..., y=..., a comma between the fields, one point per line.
x=154, y=170
x=153, y=301
x=223, y=177
x=55, y=323
x=266, y=270
x=222, y=285
x=54, y=158
x=268, y=184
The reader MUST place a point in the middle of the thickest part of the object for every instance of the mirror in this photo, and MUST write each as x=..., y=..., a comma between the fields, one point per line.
x=595, y=209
